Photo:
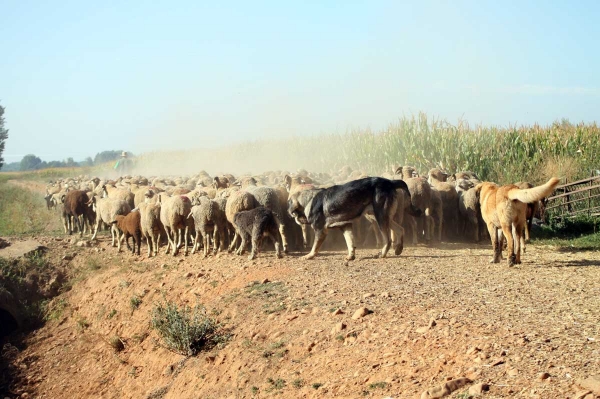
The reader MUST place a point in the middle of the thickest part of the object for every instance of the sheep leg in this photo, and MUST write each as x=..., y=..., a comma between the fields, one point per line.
x=256, y=242
x=195, y=242
x=127, y=235
x=243, y=245
x=169, y=241
x=233, y=241
x=185, y=240
x=149, y=242
x=120, y=239
x=157, y=244
x=206, y=244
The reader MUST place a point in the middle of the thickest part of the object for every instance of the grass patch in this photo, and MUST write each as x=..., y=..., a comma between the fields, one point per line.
x=276, y=384
x=54, y=311
x=82, y=323
x=378, y=385
x=298, y=383
x=186, y=330
x=23, y=211
x=316, y=385
x=116, y=343
x=111, y=314
x=135, y=302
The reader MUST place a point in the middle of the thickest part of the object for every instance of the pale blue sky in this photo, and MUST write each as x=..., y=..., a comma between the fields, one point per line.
x=78, y=77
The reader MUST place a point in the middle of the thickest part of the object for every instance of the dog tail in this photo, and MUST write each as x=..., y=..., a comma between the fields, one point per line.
x=400, y=184
x=530, y=195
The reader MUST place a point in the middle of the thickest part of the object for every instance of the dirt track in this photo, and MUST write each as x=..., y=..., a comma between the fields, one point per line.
x=436, y=314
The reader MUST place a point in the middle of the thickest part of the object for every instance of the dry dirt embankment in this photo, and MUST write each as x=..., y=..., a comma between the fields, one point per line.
x=437, y=314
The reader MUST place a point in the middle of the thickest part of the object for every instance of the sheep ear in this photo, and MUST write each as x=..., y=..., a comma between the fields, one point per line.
x=288, y=179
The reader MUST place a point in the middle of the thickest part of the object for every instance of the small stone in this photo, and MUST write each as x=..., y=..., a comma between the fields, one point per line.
x=338, y=328
x=432, y=323
x=188, y=275
x=479, y=389
x=591, y=383
x=67, y=257
x=513, y=372
x=582, y=394
x=360, y=312
x=385, y=295
x=473, y=350
x=265, y=281
x=292, y=317
x=543, y=376
x=422, y=330
x=338, y=311
x=368, y=295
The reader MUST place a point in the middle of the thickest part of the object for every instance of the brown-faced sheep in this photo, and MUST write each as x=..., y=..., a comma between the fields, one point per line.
x=106, y=210
x=129, y=226
x=151, y=225
x=173, y=215
x=254, y=225
x=76, y=209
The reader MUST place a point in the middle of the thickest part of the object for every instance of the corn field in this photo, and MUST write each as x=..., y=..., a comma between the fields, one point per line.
x=503, y=155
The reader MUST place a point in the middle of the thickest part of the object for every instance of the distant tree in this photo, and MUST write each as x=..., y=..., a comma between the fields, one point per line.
x=71, y=163
x=30, y=162
x=53, y=164
x=106, y=156
x=3, y=135
x=11, y=167
x=87, y=162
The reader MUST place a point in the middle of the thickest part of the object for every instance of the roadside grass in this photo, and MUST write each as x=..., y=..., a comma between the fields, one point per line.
x=23, y=211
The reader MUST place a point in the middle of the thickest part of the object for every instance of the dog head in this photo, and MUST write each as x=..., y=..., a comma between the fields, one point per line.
x=296, y=210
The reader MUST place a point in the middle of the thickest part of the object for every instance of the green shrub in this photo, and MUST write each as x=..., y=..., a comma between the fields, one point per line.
x=185, y=330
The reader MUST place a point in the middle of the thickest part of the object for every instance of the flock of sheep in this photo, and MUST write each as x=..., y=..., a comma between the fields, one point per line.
x=215, y=213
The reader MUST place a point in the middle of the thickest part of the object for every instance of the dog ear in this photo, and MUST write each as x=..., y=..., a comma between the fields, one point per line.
x=288, y=180
x=398, y=170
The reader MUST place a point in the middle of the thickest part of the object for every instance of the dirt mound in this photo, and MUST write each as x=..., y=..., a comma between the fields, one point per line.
x=432, y=315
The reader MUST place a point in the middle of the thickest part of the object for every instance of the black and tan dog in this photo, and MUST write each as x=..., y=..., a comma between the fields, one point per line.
x=339, y=206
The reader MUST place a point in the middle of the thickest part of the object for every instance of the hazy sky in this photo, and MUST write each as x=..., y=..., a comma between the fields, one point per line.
x=79, y=77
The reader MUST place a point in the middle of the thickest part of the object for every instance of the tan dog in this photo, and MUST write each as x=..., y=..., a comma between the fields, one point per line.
x=505, y=207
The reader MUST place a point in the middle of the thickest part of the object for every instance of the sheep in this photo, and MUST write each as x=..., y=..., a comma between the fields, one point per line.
x=106, y=210
x=256, y=224
x=173, y=214
x=111, y=191
x=151, y=225
x=437, y=179
x=208, y=219
x=420, y=196
x=472, y=224
x=129, y=226
x=267, y=197
x=75, y=206
x=238, y=201
x=436, y=213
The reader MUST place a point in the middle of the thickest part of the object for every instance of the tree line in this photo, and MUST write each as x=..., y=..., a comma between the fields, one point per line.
x=33, y=162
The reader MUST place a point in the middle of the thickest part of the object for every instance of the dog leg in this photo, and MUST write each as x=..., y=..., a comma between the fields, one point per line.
x=283, y=238
x=496, y=246
x=397, y=234
x=320, y=235
x=349, y=237
x=304, y=228
x=510, y=244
